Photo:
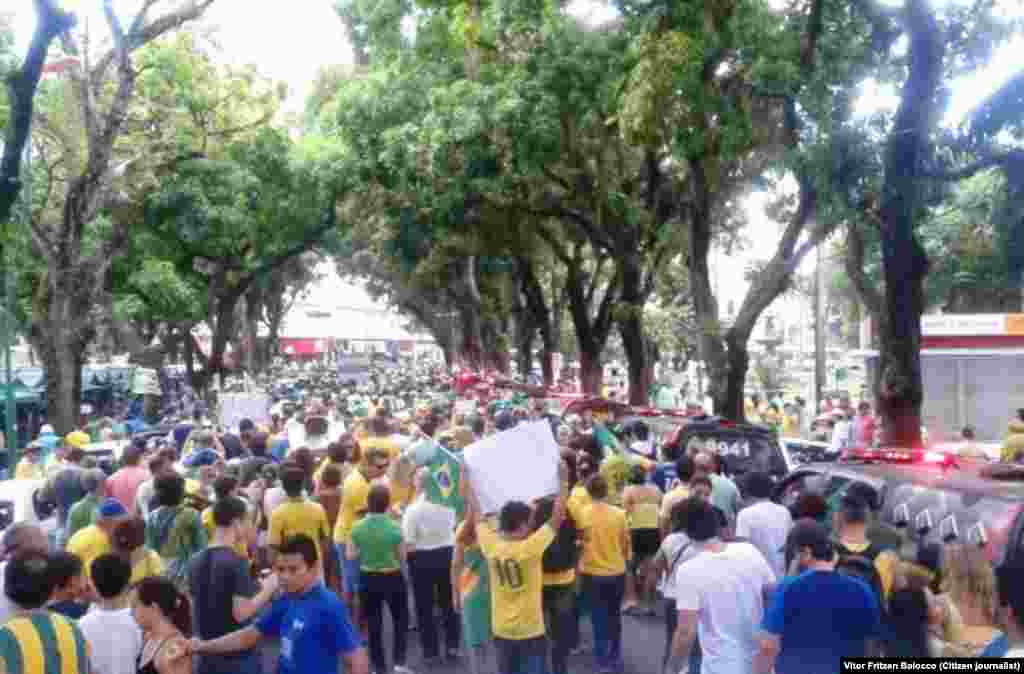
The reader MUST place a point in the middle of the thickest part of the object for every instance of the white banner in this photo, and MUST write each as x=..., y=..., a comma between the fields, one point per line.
x=235, y=407
x=520, y=464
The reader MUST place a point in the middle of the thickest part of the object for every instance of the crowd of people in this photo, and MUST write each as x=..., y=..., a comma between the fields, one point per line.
x=198, y=548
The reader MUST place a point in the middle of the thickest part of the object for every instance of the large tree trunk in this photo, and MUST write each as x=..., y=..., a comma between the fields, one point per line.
x=630, y=321
x=251, y=310
x=905, y=264
x=62, y=350
x=591, y=333
x=732, y=396
x=541, y=317
x=591, y=370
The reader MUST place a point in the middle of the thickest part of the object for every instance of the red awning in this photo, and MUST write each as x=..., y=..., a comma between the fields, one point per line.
x=303, y=347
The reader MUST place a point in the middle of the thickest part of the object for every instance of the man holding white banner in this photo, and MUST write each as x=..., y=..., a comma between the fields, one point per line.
x=514, y=554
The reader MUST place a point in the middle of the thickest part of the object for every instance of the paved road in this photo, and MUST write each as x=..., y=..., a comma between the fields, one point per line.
x=643, y=642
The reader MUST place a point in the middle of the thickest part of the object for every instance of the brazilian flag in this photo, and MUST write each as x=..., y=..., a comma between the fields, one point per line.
x=445, y=487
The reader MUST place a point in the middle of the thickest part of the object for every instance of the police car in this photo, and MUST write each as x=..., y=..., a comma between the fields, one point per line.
x=742, y=448
x=924, y=496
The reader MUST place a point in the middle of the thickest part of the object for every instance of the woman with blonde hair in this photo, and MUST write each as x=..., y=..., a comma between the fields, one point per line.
x=970, y=584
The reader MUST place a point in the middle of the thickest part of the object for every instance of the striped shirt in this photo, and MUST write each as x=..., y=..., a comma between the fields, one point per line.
x=43, y=643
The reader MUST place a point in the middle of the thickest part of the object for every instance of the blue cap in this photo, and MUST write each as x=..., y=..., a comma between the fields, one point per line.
x=112, y=508
x=200, y=458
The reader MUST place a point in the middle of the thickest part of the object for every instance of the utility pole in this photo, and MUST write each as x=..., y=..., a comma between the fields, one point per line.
x=819, y=331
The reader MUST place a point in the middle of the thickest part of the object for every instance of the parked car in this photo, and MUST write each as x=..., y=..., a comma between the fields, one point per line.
x=924, y=496
x=742, y=447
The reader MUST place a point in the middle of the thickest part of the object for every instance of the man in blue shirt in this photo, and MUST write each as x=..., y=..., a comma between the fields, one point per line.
x=311, y=622
x=818, y=616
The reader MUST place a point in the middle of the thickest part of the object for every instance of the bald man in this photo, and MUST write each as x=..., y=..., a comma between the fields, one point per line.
x=18, y=539
x=724, y=494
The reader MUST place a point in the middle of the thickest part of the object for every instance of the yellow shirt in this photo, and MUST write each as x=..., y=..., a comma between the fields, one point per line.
x=680, y=493
x=577, y=504
x=88, y=544
x=353, y=505
x=387, y=444
x=643, y=509
x=517, y=581
x=605, y=536
x=298, y=516
x=27, y=470
x=211, y=527
x=886, y=564
x=150, y=566
x=560, y=577
x=790, y=426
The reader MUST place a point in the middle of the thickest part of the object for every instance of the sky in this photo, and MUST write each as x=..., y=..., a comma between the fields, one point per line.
x=289, y=41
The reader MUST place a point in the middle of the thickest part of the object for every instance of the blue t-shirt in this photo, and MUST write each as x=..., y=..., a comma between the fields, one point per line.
x=664, y=476
x=996, y=648
x=314, y=629
x=821, y=616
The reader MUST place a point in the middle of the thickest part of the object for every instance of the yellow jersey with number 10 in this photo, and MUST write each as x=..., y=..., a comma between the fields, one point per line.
x=517, y=581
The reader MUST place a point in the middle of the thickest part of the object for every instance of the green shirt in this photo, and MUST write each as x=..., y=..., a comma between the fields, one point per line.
x=82, y=514
x=377, y=538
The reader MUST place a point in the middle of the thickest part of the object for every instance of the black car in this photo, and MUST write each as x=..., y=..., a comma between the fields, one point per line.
x=924, y=501
x=742, y=448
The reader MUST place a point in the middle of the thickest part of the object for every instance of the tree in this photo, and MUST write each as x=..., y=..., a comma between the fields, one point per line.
x=231, y=223
x=81, y=243
x=740, y=91
x=22, y=82
x=914, y=173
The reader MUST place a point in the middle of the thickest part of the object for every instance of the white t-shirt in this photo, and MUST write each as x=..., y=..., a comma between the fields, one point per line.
x=114, y=640
x=766, y=525
x=428, y=526
x=727, y=590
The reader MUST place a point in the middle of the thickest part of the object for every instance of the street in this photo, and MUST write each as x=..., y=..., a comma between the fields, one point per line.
x=643, y=642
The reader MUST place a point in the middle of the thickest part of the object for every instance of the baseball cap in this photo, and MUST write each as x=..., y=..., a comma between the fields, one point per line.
x=47, y=429
x=77, y=439
x=111, y=508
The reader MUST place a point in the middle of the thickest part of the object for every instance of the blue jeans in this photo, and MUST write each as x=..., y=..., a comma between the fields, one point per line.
x=605, y=594
x=353, y=576
x=525, y=656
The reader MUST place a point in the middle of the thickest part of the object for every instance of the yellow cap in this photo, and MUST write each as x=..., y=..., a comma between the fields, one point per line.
x=77, y=439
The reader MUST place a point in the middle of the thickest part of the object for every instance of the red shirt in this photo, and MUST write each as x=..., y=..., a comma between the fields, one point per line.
x=124, y=484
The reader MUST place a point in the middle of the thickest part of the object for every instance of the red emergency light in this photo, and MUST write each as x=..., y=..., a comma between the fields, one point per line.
x=915, y=456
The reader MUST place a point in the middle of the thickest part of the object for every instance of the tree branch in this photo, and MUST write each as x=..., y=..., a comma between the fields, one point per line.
x=987, y=161
x=22, y=83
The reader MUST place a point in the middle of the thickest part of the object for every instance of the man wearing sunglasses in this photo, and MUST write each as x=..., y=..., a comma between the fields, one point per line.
x=355, y=492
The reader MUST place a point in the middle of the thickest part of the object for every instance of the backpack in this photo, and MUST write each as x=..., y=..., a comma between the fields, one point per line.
x=862, y=565
x=564, y=552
